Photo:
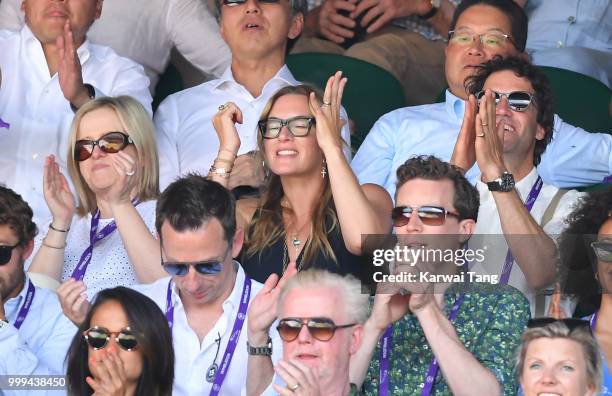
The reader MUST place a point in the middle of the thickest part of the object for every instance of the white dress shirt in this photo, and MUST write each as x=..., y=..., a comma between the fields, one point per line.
x=41, y=343
x=192, y=358
x=489, y=231
x=110, y=265
x=572, y=34
x=32, y=102
x=186, y=139
x=146, y=30
x=574, y=157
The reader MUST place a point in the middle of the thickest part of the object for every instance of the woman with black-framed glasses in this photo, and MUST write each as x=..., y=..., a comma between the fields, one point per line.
x=112, y=161
x=586, y=269
x=123, y=347
x=312, y=210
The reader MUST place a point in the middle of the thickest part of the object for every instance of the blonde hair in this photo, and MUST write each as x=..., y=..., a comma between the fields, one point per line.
x=268, y=228
x=355, y=303
x=557, y=329
x=138, y=125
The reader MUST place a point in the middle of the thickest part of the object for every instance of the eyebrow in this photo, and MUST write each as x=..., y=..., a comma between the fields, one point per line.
x=488, y=30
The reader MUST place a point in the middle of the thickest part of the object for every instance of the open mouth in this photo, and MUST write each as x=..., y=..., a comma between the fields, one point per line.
x=286, y=153
x=252, y=26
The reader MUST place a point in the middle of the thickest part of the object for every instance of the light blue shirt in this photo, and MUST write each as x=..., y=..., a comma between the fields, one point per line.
x=39, y=347
x=572, y=34
x=574, y=157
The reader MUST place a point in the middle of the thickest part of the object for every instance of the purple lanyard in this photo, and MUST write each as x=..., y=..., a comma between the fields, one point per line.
x=3, y=124
x=531, y=198
x=433, y=366
x=233, y=341
x=94, y=237
x=607, y=179
x=25, y=308
x=593, y=322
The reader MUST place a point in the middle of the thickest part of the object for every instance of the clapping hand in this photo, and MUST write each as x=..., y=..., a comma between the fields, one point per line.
x=57, y=194
x=73, y=300
x=69, y=69
x=489, y=139
x=464, y=153
x=300, y=379
x=327, y=115
x=127, y=170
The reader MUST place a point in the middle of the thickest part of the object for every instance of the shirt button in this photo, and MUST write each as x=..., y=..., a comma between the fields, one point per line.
x=421, y=385
x=571, y=19
x=426, y=347
x=559, y=44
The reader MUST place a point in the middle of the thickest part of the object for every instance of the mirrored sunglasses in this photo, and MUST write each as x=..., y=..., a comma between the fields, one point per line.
x=321, y=329
x=240, y=2
x=98, y=337
x=299, y=126
x=6, y=252
x=517, y=100
x=429, y=215
x=202, y=267
x=110, y=143
x=603, y=250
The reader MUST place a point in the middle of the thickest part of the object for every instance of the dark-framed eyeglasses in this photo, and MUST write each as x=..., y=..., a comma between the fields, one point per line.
x=321, y=329
x=110, y=143
x=298, y=126
x=6, y=252
x=98, y=337
x=517, y=100
x=603, y=250
x=429, y=215
x=571, y=323
x=241, y=2
x=492, y=39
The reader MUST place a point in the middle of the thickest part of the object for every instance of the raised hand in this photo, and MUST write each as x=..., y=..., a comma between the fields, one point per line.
x=224, y=122
x=464, y=153
x=489, y=139
x=127, y=169
x=327, y=114
x=69, y=69
x=109, y=378
x=334, y=26
x=377, y=13
x=247, y=170
x=263, y=309
x=300, y=379
x=57, y=194
x=73, y=300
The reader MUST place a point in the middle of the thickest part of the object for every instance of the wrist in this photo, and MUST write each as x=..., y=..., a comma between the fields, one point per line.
x=372, y=327
x=257, y=338
x=83, y=95
x=62, y=226
x=492, y=172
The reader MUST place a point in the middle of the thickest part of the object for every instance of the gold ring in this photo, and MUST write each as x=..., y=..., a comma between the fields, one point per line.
x=294, y=387
x=484, y=124
x=326, y=103
x=130, y=173
x=481, y=135
x=223, y=106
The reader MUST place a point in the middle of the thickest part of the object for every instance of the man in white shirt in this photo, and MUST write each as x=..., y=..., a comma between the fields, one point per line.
x=34, y=333
x=481, y=29
x=146, y=30
x=506, y=134
x=206, y=299
x=320, y=321
x=257, y=34
x=49, y=69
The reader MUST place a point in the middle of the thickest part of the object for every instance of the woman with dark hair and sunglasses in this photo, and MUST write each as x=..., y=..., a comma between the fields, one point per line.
x=586, y=263
x=312, y=210
x=112, y=161
x=559, y=357
x=123, y=347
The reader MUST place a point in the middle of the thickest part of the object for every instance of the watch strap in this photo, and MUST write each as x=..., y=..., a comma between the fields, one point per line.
x=92, y=95
x=260, y=350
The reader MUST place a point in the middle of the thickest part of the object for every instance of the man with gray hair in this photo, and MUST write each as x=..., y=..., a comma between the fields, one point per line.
x=320, y=320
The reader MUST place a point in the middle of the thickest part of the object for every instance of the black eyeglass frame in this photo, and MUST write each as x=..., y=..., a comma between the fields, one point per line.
x=262, y=126
x=111, y=334
x=127, y=140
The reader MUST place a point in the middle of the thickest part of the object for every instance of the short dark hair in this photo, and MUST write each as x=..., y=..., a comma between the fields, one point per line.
x=466, y=199
x=543, y=98
x=191, y=201
x=154, y=342
x=17, y=214
x=514, y=12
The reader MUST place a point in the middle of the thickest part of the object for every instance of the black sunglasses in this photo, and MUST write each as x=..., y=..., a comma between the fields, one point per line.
x=322, y=329
x=517, y=100
x=571, y=323
x=240, y=2
x=6, y=252
x=110, y=143
x=298, y=126
x=429, y=215
x=97, y=337
x=603, y=250
x=212, y=267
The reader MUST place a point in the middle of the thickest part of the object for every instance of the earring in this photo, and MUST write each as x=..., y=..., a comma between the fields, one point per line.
x=266, y=170
x=324, y=169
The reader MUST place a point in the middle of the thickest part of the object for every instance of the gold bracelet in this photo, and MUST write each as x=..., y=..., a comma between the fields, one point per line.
x=44, y=243
x=222, y=172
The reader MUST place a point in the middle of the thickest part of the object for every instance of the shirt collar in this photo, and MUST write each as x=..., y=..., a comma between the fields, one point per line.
x=524, y=185
x=29, y=42
x=455, y=106
x=283, y=76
